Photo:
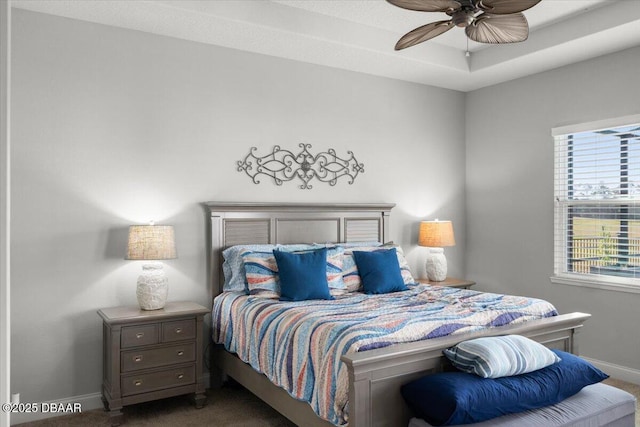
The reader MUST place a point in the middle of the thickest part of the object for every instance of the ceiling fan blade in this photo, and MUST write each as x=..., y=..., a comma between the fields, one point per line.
x=505, y=7
x=427, y=5
x=423, y=33
x=497, y=29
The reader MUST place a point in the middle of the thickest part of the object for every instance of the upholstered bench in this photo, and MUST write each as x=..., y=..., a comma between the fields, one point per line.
x=594, y=406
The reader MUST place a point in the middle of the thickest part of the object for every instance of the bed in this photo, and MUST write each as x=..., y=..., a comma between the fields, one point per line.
x=373, y=376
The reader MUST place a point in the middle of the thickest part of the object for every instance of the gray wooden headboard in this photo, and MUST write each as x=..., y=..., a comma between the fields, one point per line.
x=271, y=223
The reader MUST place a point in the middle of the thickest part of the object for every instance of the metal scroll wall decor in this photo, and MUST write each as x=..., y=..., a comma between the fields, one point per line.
x=285, y=165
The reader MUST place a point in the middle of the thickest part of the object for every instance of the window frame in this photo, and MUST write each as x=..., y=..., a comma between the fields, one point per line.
x=562, y=205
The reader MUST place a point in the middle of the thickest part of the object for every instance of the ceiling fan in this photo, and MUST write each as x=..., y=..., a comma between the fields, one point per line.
x=484, y=21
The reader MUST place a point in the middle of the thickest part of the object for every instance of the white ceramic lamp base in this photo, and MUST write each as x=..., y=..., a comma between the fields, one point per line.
x=153, y=287
x=436, y=265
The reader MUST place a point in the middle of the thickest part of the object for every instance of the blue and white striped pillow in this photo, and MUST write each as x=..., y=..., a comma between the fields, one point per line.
x=261, y=271
x=496, y=357
x=233, y=266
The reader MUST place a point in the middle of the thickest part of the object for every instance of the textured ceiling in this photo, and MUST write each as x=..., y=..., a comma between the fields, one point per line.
x=359, y=35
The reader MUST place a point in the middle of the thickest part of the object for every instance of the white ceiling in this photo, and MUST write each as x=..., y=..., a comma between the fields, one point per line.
x=360, y=35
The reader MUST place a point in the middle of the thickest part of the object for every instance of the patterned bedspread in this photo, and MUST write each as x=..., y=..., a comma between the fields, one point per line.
x=298, y=345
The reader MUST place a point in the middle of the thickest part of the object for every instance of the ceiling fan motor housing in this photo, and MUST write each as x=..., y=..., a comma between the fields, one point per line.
x=463, y=18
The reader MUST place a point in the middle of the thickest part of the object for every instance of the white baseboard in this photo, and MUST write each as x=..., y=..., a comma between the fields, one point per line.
x=616, y=371
x=87, y=403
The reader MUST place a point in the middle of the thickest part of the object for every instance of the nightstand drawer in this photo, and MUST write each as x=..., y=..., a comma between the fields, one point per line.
x=135, y=384
x=133, y=336
x=133, y=360
x=178, y=330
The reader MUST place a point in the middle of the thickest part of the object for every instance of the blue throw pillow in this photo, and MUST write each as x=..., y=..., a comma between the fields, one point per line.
x=379, y=271
x=261, y=271
x=233, y=265
x=303, y=276
x=495, y=357
x=451, y=398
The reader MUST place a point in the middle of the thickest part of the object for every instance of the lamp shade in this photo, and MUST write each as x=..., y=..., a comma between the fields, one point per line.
x=151, y=242
x=436, y=234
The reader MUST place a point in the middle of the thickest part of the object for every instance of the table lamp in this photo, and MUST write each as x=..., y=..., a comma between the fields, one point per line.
x=151, y=243
x=436, y=235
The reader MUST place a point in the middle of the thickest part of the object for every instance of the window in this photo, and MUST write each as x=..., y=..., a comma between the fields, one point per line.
x=597, y=204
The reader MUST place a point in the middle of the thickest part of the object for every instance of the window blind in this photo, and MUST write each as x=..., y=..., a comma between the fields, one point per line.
x=597, y=202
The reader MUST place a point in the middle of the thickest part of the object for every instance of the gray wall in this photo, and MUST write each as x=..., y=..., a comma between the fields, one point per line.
x=114, y=127
x=510, y=191
x=5, y=202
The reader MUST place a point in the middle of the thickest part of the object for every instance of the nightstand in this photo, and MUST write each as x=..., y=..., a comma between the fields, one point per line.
x=149, y=355
x=450, y=282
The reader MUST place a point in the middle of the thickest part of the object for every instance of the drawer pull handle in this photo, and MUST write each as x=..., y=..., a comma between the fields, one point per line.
x=139, y=335
x=178, y=330
x=137, y=359
x=137, y=383
x=180, y=353
x=180, y=376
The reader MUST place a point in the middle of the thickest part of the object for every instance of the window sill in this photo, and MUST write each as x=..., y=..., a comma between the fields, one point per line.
x=608, y=285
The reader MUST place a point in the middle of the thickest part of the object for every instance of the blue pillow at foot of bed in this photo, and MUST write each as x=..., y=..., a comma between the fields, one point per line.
x=451, y=398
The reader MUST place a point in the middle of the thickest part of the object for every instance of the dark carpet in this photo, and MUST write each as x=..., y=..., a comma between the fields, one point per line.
x=229, y=406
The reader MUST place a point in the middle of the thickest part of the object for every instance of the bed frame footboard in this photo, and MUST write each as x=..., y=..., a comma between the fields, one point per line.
x=375, y=376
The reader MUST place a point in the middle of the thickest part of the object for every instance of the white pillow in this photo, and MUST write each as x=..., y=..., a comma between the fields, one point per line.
x=495, y=357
